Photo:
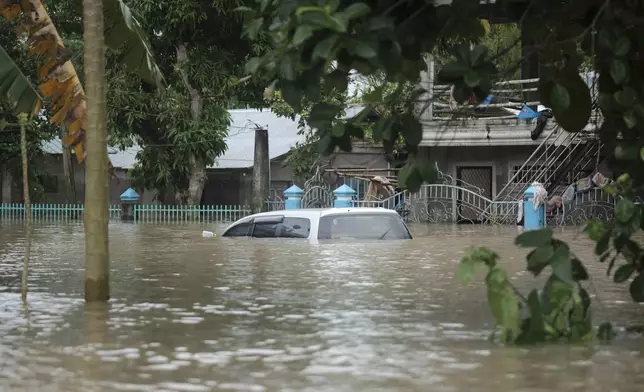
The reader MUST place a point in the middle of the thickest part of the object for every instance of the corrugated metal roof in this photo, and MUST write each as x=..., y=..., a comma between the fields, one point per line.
x=282, y=135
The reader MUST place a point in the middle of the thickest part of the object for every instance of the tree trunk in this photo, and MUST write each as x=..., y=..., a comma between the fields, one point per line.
x=197, y=179
x=68, y=170
x=25, y=191
x=97, y=266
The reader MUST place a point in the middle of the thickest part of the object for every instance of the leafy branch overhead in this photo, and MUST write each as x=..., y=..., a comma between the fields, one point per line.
x=327, y=40
x=58, y=81
x=313, y=42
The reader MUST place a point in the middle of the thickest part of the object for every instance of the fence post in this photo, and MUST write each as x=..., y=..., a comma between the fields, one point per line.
x=293, y=197
x=343, y=196
x=129, y=199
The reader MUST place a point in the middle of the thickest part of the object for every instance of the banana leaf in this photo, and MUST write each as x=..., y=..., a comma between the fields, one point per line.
x=123, y=31
x=15, y=88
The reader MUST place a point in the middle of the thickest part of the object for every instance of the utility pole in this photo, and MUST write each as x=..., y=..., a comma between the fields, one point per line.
x=261, y=171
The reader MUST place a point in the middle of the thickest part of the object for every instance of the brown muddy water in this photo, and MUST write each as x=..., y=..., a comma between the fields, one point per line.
x=196, y=314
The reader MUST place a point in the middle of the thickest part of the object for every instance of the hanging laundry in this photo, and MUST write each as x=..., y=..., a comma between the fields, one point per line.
x=600, y=180
x=569, y=193
x=584, y=184
x=540, y=195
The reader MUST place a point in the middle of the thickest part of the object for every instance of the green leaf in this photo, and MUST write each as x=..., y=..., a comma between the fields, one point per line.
x=571, y=115
x=560, y=98
x=622, y=46
x=537, y=330
x=337, y=80
x=625, y=152
x=466, y=270
x=603, y=243
x=561, y=264
x=362, y=49
x=624, y=210
x=472, y=79
x=626, y=97
x=579, y=272
x=502, y=301
x=123, y=31
x=595, y=229
x=555, y=294
x=427, y=171
x=15, y=88
x=338, y=130
x=618, y=71
x=302, y=33
x=410, y=178
x=411, y=130
x=310, y=9
x=253, y=64
x=322, y=114
x=292, y=95
x=478, y=55
x=452, y=71
x=534, y=238
x=637, y=288
x=356, y=10
x=287, y=68
x=381, y=23
x=539, y=258
x=623, y=273
x=324, y=48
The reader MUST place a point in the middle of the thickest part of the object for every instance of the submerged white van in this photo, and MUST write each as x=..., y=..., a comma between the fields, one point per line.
x=323, y=224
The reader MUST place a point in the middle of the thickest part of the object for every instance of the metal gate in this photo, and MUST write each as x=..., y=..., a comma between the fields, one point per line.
x=317, y=193
x=477, y=179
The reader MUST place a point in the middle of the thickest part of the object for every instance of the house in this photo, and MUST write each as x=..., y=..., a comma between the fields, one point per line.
x=229, y=178
x=501, y=145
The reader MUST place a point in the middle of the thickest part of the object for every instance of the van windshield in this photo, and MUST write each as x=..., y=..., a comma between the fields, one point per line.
x=363, y=226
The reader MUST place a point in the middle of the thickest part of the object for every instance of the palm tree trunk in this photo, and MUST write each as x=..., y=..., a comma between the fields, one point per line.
x=25, y=191
x=96, y=163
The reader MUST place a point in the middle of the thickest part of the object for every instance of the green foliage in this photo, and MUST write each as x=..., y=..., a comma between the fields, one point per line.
x=377, y=38
x=162, y=122
x=559, y=311
x=304, y=157
x=39, y=130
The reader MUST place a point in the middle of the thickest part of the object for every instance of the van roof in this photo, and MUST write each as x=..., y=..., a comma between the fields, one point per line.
x=326, y=211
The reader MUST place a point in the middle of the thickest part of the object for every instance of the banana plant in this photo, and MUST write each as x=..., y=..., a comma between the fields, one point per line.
x=59, y=84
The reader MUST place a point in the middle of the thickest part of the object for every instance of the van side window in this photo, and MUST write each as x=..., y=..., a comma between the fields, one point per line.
x=241, y=230
x=289, y=228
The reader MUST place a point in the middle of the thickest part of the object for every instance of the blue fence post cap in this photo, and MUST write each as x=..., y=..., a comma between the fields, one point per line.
x=344, y=190
x=293, y=191
x=130, y=195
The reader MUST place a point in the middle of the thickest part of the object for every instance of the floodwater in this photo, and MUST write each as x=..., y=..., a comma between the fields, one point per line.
x=196, y=314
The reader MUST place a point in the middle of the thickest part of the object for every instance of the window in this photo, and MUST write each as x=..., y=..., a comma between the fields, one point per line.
x=241, y=230
x=363, y=226
x=288, y=228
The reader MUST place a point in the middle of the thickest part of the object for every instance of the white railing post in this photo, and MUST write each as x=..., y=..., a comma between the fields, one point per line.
x=426, y=100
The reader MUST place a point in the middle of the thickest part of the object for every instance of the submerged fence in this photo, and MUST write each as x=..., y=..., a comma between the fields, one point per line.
x=145, y=213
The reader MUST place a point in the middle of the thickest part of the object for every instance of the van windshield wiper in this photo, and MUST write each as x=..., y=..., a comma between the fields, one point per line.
x=384, y=234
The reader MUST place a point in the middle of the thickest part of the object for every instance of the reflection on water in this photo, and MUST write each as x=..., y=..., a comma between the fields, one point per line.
x=196, y=314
